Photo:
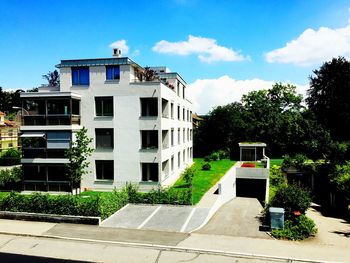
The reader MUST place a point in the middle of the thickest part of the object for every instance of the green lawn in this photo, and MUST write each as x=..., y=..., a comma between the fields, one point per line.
x=276, y=162
x=204, y=180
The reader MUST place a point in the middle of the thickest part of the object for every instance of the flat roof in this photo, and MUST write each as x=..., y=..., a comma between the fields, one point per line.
x=97, y=62
x=49, y=94
x=252, y=144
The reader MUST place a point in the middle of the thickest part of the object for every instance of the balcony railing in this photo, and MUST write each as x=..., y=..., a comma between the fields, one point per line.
x=57, y=119
x=32, y=153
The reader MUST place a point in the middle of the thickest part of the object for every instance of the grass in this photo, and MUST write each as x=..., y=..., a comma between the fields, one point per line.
x=276, y=162
x=204, y=180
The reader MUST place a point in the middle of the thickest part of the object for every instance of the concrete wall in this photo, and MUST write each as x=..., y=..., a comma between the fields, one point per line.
x=252, y=173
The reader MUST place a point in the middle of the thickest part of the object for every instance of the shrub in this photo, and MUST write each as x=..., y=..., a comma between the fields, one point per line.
x=11, y=157
x=112, y=202
x=188, y=175
x=207, y=158
x=214, y=156
x=277, y=178
x=222, y=154
x=291, y=198
x=11, y=178
x=206, y=166
x=298, y=229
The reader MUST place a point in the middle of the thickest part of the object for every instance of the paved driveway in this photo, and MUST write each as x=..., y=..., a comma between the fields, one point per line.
x=158, y=217
x=239, y=217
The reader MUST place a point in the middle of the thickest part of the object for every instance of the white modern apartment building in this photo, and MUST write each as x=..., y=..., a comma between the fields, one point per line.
x=141, y=130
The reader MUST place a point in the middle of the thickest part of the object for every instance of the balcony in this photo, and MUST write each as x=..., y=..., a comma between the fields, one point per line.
x=32, y=153
x=57, y=119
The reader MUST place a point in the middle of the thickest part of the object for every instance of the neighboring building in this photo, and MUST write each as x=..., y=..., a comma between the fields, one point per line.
x=8, y=134
x=135, y=125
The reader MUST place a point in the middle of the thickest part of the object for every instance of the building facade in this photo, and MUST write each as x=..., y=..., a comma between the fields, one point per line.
x=8, y=134
x=141, y=128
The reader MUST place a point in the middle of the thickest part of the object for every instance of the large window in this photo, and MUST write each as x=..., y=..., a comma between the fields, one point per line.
x=80, y=76
x=112, y=72
x=104, y=106
x=150, y=172
x=104, y=138
x=149, y=139
x=149, y=107
x=105, y=170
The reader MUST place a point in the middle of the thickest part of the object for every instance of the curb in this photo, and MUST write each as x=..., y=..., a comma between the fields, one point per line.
x=176, y=249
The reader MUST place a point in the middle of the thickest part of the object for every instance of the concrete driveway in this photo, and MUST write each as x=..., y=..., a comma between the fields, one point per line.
x=158, y=217
x=239, y=217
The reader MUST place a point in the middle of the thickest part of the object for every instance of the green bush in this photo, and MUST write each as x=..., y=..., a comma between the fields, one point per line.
x=11, y=157
x=10, y=179
x=207, y=158
x=298, y=229
x=222, y=154
x=291, y=198
x=277, y=178
x=112, y=202
x=206, y=166
x=214, y=156
x=188, y=175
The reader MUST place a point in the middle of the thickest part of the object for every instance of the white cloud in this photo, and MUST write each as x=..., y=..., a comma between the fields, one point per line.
x=208, y=93
x=121, y=44
x=313, y=46
x=206, y=48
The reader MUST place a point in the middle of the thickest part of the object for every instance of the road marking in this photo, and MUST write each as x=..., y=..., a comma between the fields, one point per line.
x=110, y=217
x=149, y=217
x=188, y=220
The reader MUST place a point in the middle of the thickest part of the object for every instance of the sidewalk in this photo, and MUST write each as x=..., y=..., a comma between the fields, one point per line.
x=250, y=247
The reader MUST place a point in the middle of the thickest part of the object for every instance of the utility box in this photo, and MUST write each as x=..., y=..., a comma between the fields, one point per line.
x=276, y=217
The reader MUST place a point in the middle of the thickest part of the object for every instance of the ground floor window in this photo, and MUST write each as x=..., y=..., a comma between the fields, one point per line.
x=150, y=172
x=105, y=170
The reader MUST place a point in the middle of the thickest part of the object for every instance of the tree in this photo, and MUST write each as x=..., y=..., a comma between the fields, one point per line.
x=53, y=78
x=78, y=154
x=329, y=97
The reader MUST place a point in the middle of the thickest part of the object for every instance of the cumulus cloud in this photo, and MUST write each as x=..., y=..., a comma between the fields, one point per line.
x=121, y=44
x=208, y=93
x=206, y=49
x=313, y=46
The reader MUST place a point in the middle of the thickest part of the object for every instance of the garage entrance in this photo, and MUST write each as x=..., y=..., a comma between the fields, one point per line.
x=254, y=188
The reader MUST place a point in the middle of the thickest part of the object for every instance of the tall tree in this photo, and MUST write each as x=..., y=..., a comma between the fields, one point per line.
x=53, y=78
x=78, y=154
x=329, y=97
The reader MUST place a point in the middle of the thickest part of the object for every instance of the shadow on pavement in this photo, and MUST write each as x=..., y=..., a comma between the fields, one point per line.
x=9, y=258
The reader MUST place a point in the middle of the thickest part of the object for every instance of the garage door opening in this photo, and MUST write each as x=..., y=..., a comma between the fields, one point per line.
x=254, y=188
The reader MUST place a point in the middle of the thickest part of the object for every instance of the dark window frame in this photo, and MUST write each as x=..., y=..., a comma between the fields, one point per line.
x=99, y=141
x=112, y=72
x=104, y=170
x=103, y=101
x=79, y=71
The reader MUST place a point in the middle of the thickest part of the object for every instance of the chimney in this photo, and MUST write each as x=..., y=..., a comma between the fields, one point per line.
x=117, y=52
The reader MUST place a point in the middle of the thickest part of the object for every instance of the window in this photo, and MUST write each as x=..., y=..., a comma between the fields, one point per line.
x=104, y=106
x=184, y=156
x=183, y=92
x=104, y=170
x=149, y=107
x=149, y=139
x=172, y=137
x=184, y=135
x=183, y=114
x=172, y=163
x=178, y=112
x=10, y=133
x=58, y=140
x=10, y=144
x=178, y=159
x=80, y=76
x=104, y=138
x=178, y=89
x=172, y=110
x=112, y=72
x=178, y=136
x=150, y=172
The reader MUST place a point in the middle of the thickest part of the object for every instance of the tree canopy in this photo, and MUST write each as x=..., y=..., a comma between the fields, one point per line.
x=329, y=97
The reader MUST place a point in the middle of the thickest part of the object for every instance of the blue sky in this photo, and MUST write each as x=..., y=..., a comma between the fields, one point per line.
x=242, y=45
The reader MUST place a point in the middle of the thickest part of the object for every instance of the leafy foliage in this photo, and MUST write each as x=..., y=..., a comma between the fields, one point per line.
x=277, y=179
x=53, y=78
x=206, y=166
x=10, y=178
x=11, y=157
x=292, y=198
x=340, y=177
x=188, y=175
x=300, y=228
x=77, y=155
x=329, y=97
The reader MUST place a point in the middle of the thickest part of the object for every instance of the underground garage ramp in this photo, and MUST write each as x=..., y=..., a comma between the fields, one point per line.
x=253, y=188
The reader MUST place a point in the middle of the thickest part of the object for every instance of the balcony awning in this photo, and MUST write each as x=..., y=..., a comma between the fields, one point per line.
x=31, y=135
